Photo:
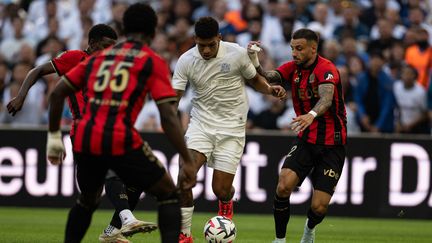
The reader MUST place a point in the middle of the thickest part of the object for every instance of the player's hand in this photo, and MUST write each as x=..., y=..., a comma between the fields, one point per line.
x=252, y=49
x=55, y=149
x=300, y=123
x=278, y=92
x=187, y=176
x=15, y=105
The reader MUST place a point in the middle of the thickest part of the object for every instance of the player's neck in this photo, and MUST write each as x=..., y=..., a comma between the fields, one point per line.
x=139, y=38
x=309, y=63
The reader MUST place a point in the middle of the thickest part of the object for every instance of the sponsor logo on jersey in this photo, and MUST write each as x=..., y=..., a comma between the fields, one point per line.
x=328, y=76
x=225, y=67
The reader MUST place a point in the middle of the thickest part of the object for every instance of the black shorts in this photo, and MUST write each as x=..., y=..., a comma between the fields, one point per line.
x=139, y=169
x=324, y=164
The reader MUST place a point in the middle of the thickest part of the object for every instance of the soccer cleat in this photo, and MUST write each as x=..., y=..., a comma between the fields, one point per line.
x=308, y=234
x=185, y=239
x=226, y=209
x=137, y=226
x=112, y=235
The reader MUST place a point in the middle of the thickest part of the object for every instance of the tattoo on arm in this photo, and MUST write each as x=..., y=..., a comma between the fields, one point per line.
x=325, y=92
x=271, y=76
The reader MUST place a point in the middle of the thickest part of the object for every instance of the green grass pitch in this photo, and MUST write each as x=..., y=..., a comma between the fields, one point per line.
x=47, y=225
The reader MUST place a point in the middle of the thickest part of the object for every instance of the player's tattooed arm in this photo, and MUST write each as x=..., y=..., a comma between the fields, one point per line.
x=271, y=76
x=325, y=92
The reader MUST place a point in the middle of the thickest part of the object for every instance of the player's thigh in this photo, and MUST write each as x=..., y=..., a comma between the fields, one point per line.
x=328, y=167
x=91, y=171
x=298, y=160
x=227, y=154
x=200, y=141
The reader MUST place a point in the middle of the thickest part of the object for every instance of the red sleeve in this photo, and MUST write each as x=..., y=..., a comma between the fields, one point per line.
x=75, y=77
x=67, y=60
x=160, y=84
x=326, y=72
x=285, y=70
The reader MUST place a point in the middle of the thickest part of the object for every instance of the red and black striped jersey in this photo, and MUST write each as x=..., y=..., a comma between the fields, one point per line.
x=62, y=64
x=117, y=80
x=329, y=128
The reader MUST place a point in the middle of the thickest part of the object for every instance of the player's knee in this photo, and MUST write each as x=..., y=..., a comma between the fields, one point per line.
x=283, y=189
x=319, y=208
x=89, y=201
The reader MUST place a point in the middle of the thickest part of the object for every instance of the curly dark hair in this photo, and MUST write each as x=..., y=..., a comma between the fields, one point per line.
x=99, y=31
x=206, y=27
x=140, y=18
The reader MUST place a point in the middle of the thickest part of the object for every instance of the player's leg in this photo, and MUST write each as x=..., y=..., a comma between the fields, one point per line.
x=90, y=177
x=200, y=141
x=123, y=221
x=226, y=158
x=325, y=177
x=142, y=170
x=186, y=200
x=296, y=167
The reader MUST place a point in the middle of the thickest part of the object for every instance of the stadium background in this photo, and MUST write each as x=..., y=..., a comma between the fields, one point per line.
x=388, y=170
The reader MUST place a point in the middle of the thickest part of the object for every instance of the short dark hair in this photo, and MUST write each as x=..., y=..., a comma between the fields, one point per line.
x=140, y=18
x=99, y=31
x=307, y=34
x=206, y=27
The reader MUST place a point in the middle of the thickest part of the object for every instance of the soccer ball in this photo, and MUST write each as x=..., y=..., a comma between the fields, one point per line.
x=220, y=229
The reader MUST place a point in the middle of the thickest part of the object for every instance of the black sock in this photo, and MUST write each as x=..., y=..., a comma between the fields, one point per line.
x=77, y=224
x=169, y=219
x=281, y=213
x=314, y=219
x=116, y=193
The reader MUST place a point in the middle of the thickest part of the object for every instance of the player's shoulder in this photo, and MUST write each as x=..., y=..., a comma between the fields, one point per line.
x=234, y=47
x=324, y=63
x=188, y=56
x=72, y=55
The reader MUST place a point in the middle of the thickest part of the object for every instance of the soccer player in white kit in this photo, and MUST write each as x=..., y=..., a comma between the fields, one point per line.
x=217, y=72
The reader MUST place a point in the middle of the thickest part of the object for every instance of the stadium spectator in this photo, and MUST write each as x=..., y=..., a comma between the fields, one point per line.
x=217, y=71
x=350, y=106
x=374, y=97
x=10, y=47
x=321, y=126
x=398, y=30
x=419, y=55
x=141, y=71
x=321, y=23
x=385, y=40
x=351, y=26
x=267, y=119
x=411, y=103
x=417, y=19
x=371, y=15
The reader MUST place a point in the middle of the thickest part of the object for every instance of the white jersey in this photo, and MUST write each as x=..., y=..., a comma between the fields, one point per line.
x=219, y=95
x=412, y=102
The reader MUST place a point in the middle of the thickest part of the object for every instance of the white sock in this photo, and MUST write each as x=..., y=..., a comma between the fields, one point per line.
x=186, y=222
x=126, y=216
x=280, y=239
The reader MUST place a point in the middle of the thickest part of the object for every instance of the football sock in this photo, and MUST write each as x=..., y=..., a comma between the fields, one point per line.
x=169, y=219
x=186, y=221
x=126, y=216
x=281, y=214
x=314, y=219
x=77, y=224
x=116, y=193
x=133, y=198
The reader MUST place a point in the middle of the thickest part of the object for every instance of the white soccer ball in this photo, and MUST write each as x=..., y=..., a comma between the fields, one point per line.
x=220, y=229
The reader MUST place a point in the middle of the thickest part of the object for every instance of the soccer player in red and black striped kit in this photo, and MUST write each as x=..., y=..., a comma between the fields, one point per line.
x=100, y=37
x=117, y=80
x=319, y=148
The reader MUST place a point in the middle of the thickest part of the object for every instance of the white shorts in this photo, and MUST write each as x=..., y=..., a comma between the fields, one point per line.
x=223, y=152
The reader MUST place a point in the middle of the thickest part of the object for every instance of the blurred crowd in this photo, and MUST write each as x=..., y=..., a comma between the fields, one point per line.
x=382, y=49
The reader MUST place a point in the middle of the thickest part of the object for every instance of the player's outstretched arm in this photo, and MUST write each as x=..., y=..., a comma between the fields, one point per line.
x=16, y=103
x=174, y=132
x=55, y=147
x=259, y=83
x=253, y=49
